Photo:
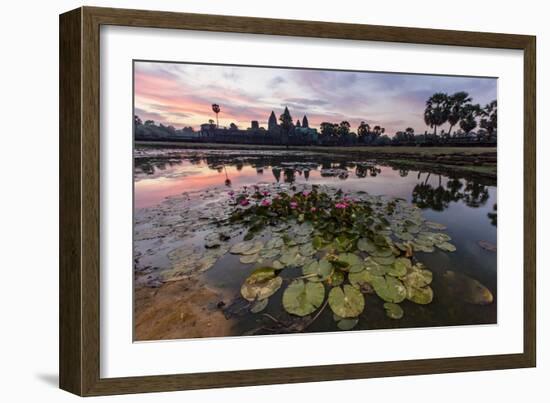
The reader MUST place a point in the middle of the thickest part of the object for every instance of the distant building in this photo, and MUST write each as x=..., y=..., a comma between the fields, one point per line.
x=299, y=133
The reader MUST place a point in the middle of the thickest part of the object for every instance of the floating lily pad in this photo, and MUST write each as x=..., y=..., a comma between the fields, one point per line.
x=336, y=278
x=417, y=276
x=269, y=253
x=241, y=247
x=389, y=289
x=360, y=278
x=350, y=262
x=435, y=225
x=303, y=297
x=347, y=323
x=318, y=242
x=259, y=306
x=346, y=301
x=382, y=252
x=446, y=246
x=261, y=284
x=365, y=245
x=400, y=267
x=467, y=289
x=307, y=249
x=247, y=259
x=393, y=311
x=317, y=270
x=277, y=265
x=375, y=268
x=274, y=243
x=291, y=258
x=420, y=295
x=254, y=249
x=384, y=261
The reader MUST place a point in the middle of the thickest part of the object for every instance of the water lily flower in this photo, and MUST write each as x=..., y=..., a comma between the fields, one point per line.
x=231, y=193
x=244, y=202
x=313, y=209
x=306, y=193
x=265, y=193
x=265, y=202
x=293, y=204
x=340, y=205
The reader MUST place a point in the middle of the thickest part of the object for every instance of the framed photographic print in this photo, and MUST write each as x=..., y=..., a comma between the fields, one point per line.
x=249, y=201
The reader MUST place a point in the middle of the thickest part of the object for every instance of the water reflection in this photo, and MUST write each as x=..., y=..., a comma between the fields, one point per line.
x=430, y=190
x=424, y=195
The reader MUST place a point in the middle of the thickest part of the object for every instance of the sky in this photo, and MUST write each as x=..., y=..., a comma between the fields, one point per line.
x=182, y=95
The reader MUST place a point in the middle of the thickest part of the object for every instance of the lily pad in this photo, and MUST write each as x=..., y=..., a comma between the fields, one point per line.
x=375, y=268
x=360, y=278
x=393, y=311
x=435, y=225
x=446, y=246
x=241, y=247
x=317, y=270
x=247, y=259
x=259, y=306
x=382, y=252
x=269, y=253
x=261, y=284
x=350, y=262
x=365, y=245
x=400, y=267
x=303, y=297
x=389, y=289
x=336, y=278
x=307, y=249
x=420, y=295
x=384, y=261
x=346, y=301
x=274, y=243
x=254, y=249
x=347, y=323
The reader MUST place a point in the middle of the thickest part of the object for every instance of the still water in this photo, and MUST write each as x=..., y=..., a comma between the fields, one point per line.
x=465, y=205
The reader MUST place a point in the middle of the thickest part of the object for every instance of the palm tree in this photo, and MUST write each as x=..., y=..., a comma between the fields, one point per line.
x=468, y=117
x=216, y=109
x=437, y=110
x=457, y=101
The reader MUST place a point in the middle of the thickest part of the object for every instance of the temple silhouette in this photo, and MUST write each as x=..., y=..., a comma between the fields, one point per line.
x=296, y=133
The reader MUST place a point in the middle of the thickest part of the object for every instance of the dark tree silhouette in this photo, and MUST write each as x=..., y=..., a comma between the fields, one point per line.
x=457, y=101
x=437, y=111
x=489, y=118
x=216, y=109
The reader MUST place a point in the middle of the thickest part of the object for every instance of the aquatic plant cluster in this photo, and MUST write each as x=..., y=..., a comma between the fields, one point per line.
x=346, y=246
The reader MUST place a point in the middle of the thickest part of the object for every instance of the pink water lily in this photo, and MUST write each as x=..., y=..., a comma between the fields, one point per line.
x=265, y=193
x=265, y=203
x=313, y=209
x=306, y=193
x=293, y=204
x=340, y=205
x=244, y=202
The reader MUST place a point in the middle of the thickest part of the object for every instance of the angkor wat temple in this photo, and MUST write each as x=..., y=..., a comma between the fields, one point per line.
x=298, y=133
x=276, y=133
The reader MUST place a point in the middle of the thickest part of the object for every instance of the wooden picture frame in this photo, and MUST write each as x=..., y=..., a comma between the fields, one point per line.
x=80, y=186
